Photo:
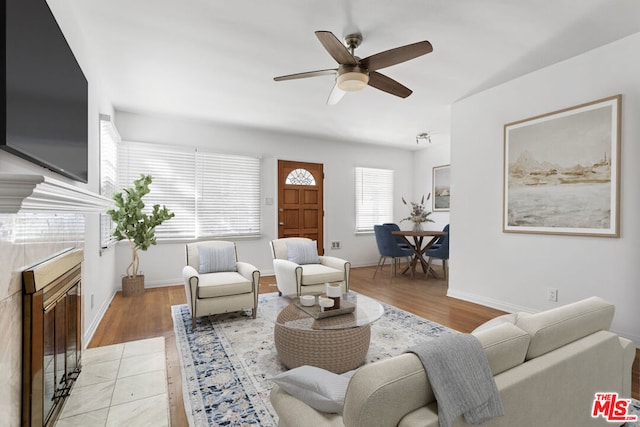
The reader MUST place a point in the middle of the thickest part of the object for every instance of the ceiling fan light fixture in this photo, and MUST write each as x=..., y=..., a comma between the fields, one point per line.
x=352, y=81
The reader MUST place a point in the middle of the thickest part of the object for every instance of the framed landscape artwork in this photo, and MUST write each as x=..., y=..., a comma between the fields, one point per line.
x=441, y=188
x=562, y=171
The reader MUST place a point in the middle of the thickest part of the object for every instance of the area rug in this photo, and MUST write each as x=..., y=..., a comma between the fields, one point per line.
x=227, y=362
x=633, y=410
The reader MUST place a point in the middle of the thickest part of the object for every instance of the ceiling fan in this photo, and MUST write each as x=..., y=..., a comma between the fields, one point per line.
x=354, y=73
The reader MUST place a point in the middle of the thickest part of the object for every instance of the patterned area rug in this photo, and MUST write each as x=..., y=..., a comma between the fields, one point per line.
x=228, y=360
x=633, y=410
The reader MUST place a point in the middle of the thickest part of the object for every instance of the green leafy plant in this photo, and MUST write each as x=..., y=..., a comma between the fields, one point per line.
x=133, y=224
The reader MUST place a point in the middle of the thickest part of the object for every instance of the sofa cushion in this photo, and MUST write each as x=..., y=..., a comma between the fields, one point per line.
x=505, y=345
x=303, y=252
x=554, y=328
x=214, y=259
x=313, y=274
x=318, y=388
x=222, y=284
x=505, y=318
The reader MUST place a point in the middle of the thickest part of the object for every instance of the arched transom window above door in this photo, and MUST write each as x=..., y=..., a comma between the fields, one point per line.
x=300, y=177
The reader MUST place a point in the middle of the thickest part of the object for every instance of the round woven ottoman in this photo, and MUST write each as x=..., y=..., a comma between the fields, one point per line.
x=334, y=348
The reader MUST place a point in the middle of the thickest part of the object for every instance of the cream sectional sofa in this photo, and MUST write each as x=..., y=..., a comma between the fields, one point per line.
x=547, y=367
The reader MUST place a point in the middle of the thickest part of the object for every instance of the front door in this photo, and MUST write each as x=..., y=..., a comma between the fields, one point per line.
x=300, y=209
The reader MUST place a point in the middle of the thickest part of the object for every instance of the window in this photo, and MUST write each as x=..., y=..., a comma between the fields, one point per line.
x=374, y=197
x=109, y=140
x=300, y=177
x=228, y=195
x=212, y=195
x=174, y=182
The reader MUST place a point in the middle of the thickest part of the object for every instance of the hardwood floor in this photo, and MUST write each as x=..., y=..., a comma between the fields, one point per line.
x=149, y=315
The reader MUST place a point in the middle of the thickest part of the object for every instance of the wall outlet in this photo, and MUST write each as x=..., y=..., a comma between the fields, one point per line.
x=335, y=245
x=552, y=294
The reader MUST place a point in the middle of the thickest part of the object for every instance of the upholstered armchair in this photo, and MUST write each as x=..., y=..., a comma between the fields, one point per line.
x=216, y=282
x=299, y=269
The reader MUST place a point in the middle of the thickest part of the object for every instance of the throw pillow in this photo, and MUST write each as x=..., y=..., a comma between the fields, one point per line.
x=317, y=387
x=215, y=259
x=303, y=252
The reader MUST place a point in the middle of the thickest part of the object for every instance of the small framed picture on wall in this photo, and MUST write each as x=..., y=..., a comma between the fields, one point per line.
x=441, y=188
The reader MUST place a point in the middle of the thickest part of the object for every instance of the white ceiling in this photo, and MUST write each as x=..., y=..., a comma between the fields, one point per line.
x=215, y=60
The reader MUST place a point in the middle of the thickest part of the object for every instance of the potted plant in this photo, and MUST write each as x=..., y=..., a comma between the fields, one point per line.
x=137, y=227
x=419, y=214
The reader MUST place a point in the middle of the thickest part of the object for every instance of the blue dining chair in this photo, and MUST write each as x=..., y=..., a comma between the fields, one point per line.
x=440, y=252
x=395, y=227
x=441, y=238
x=388, y=248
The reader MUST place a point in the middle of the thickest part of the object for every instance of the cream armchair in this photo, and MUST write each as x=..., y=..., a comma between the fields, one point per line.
x=300, y=270
x=216, y=282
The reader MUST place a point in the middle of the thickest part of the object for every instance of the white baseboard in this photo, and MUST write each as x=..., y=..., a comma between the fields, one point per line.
x=161, y=283
x=489, y=302
x=88, y=335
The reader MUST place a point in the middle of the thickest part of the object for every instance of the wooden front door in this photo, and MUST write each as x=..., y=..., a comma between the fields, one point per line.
x=300, y=196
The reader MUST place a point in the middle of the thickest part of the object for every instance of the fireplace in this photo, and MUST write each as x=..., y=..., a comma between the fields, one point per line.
x=51, y=335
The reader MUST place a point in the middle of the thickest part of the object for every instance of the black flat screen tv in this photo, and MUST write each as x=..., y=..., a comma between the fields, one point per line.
x=45, y=92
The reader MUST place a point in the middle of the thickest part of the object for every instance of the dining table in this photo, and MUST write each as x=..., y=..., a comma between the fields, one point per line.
x=419, y=247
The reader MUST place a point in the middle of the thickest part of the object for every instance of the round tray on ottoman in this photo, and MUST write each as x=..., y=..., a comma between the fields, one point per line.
x=337, y=344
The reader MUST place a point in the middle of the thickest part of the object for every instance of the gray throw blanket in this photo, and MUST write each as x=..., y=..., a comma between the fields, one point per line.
x=461, y=379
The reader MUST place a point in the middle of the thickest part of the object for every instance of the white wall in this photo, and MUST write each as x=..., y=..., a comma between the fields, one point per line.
x=162, y=264
x=513, y=271
x=98, y=270
x=423, y=163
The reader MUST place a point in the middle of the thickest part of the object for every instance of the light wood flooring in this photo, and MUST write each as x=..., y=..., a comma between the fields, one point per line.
x=149, y=315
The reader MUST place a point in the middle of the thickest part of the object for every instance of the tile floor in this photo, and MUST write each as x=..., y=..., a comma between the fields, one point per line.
x=120, y=385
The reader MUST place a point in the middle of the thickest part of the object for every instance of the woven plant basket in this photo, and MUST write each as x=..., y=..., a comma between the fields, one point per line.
x=132, y=286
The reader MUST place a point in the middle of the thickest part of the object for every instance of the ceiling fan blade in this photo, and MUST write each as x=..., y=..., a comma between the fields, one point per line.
x=335, y=96
x=396, y=56
x=387, y=84
x=331, y=71
x=336, y=49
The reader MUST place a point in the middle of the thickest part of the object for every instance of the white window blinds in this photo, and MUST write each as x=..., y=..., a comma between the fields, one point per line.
x=109, y=141
x=174, y=181
x=212, y=195
x=228, y=195
x=374, y=197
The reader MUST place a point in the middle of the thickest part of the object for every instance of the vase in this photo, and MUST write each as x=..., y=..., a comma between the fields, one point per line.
x=417, y=226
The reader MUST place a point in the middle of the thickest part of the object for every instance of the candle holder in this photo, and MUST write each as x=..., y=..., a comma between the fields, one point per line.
x=307, y=300
x=334, y=291
x=325, y=304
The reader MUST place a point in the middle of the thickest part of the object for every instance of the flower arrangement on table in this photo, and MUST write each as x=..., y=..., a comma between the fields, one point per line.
x=418, y=213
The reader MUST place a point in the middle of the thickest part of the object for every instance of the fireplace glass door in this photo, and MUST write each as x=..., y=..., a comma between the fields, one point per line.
x=49, y=388
x=52, y=336
x=60, y=349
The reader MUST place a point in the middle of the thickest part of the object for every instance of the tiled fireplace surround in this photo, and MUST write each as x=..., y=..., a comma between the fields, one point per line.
x=52, y=214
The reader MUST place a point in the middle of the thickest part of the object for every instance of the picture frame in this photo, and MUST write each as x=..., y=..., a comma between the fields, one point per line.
x=441, y=188
x=562, y=171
